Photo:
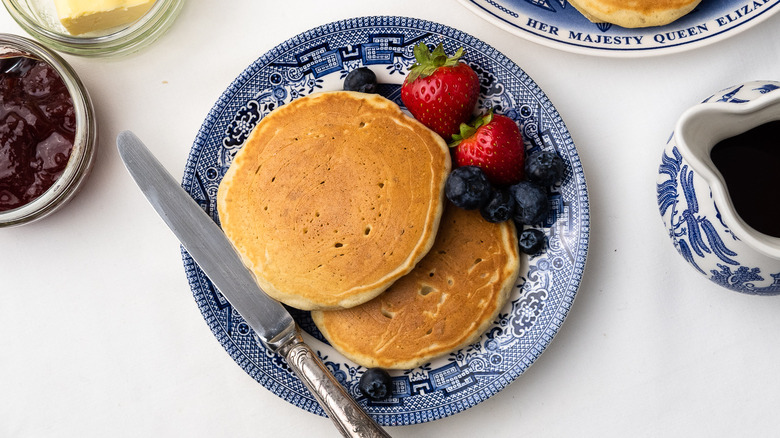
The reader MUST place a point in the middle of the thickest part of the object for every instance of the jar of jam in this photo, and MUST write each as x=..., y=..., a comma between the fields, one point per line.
x=48, y=132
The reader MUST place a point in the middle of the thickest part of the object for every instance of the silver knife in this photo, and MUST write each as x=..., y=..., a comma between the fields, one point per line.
x=215, y=255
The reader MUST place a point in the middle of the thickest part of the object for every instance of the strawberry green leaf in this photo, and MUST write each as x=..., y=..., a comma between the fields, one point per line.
x=454, y=59
x=466, y=131
x=428, y=62
x=469, y=129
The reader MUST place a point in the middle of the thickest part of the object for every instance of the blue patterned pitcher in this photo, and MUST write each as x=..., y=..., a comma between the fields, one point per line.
x=695, y=204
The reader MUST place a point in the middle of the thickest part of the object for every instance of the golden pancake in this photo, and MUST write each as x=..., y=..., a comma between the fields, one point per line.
x=451, y=297
x=333, y=197
x=634, y=13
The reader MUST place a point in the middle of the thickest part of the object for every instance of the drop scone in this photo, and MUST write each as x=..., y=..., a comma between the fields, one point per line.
x=333, y=197
x=451, y=297
x=634, y=13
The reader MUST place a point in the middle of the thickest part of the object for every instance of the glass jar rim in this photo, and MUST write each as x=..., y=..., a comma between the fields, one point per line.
x=121, y=42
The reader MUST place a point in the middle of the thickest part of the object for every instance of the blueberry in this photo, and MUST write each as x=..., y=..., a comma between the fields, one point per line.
x=531, y=205
x=375, y=384
x=499, y=207
x=467, y=187
x=531, y=241
x=361, y=79
x=544, y=168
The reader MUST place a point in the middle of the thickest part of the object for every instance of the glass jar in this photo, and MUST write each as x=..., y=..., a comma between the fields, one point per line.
x=85, y=141
x=39, y=19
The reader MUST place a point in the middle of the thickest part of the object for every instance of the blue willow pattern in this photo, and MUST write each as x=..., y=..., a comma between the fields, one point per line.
x=695, y=236
x=319, y=60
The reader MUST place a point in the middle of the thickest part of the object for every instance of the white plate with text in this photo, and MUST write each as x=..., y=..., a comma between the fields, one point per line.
x=557, y=24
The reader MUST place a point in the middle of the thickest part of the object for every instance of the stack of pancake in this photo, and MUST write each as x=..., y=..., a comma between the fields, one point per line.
x=634, y=13
x=335, y=201
x=445, y=303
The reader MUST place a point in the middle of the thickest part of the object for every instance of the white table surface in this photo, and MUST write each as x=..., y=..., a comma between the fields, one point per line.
x=100, y=335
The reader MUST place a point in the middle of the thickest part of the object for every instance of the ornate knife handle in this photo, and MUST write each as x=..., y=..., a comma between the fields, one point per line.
x=349, y=418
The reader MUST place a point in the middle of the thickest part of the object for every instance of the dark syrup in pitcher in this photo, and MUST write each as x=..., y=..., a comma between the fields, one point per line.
x=750, y=165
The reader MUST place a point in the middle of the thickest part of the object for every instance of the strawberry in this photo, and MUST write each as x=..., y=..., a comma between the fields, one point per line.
x=441, y=92
x=494, y=143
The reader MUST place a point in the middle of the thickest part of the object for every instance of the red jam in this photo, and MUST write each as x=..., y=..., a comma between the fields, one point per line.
x=37, y=129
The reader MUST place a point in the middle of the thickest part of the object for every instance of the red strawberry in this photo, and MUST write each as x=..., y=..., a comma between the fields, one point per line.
x=441, y=92
x=494, y=143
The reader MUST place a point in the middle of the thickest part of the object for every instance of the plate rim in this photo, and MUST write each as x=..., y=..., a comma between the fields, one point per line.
x=580, y=193
x=481, y=12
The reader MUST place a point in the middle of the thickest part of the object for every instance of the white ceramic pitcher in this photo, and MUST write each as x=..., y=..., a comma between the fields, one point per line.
x=695, y=204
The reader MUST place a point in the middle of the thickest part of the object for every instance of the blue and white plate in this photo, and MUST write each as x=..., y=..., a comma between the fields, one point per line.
x=557, y=24
x=318, y=60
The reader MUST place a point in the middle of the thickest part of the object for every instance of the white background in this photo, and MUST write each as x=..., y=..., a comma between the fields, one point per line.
x=100, y=335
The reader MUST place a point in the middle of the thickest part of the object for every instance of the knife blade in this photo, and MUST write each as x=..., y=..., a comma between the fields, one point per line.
x=216, y=256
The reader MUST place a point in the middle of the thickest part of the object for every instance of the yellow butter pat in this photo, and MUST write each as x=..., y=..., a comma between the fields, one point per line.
x=82, y=16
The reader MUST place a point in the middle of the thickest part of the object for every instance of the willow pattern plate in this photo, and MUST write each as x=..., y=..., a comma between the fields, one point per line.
x=318, y=60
